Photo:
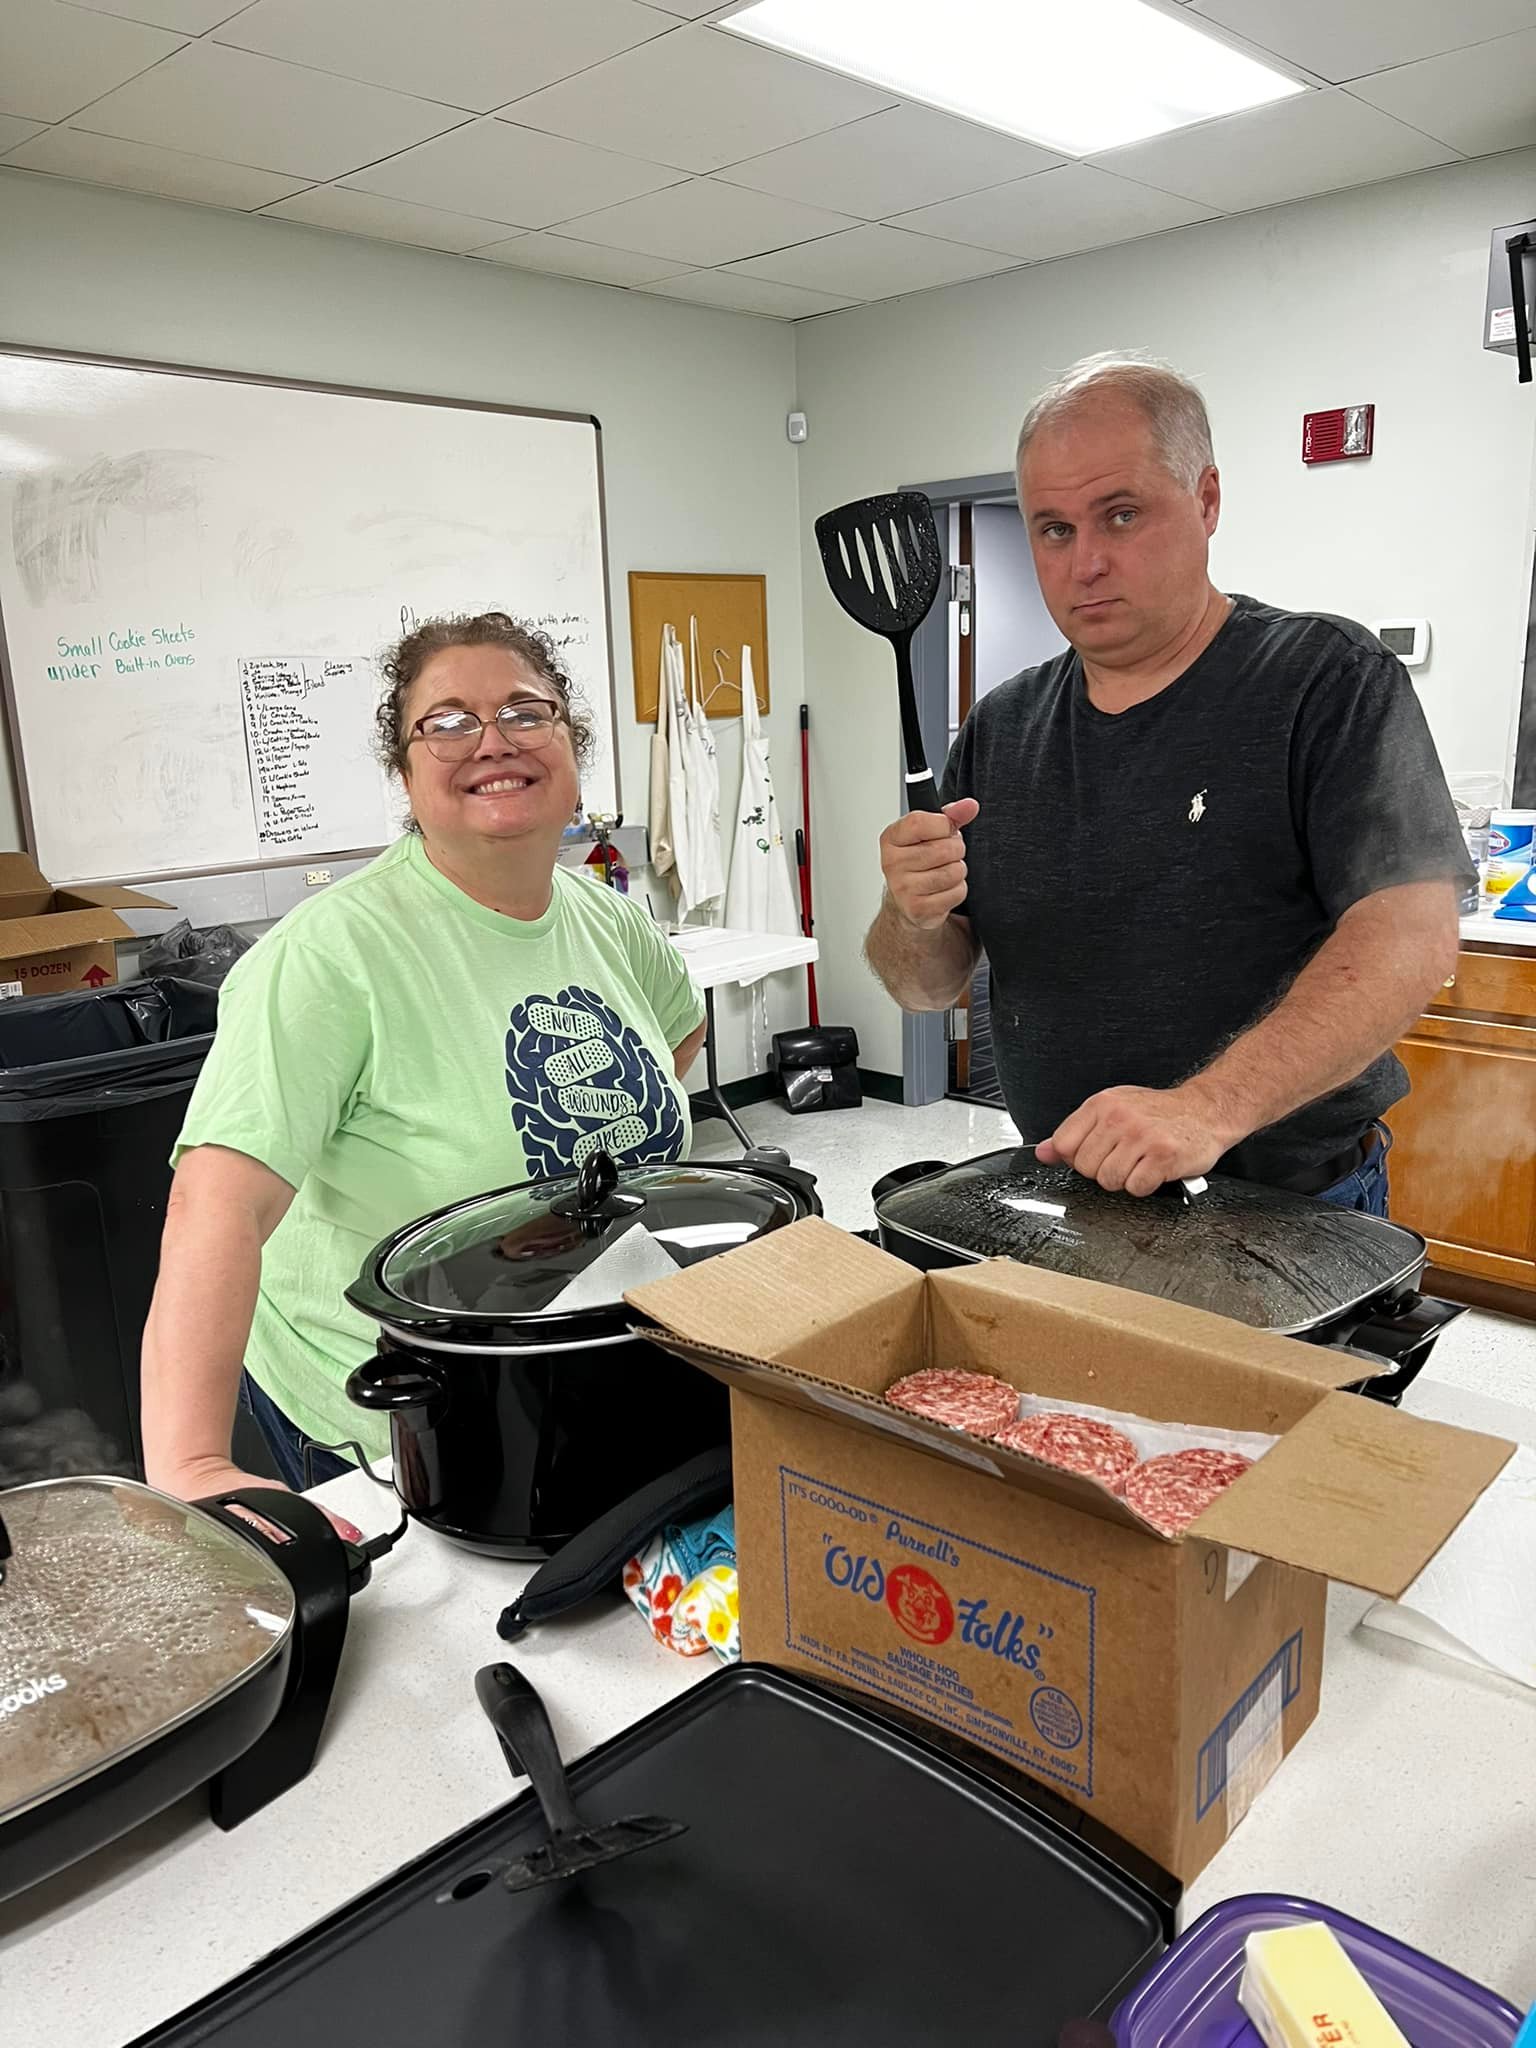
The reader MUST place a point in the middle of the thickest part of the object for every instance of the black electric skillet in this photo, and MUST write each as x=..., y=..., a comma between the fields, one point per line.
x=835, y=1881
x=1280, y=1262
x=149, y=1647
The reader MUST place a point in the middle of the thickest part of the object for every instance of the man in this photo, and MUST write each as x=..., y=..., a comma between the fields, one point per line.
x=1209, y=851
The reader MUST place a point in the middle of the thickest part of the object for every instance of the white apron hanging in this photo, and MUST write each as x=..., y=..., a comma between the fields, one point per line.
x=706, y=883
x=663, y=858
x=760, y=897
x=672, y=682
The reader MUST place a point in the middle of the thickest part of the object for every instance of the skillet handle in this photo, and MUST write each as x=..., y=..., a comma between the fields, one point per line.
x=523, y=1729
x=919, y=1169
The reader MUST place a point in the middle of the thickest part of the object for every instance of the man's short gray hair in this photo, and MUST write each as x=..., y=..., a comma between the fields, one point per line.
x=1172, y=405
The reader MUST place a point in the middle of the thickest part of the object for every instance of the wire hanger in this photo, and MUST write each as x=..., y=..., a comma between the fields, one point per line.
x=722, y=680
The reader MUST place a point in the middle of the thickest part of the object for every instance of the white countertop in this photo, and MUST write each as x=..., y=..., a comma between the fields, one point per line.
x=1411, y=1802
x=1484, y=929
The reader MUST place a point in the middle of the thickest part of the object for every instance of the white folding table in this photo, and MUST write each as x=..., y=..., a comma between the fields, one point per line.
x=716, y=956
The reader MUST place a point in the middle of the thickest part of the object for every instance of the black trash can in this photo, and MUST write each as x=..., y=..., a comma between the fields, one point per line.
x=93, y=1090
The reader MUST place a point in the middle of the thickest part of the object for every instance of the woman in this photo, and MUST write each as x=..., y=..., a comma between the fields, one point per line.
x=387, y=1049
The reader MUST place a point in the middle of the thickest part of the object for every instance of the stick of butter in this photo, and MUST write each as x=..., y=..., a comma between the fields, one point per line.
x=1301, y=1990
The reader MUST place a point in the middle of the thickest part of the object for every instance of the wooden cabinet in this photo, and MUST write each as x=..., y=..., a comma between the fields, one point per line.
x=1464, y=1159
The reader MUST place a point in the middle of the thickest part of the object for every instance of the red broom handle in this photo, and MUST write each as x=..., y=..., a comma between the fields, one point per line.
x=807, y=915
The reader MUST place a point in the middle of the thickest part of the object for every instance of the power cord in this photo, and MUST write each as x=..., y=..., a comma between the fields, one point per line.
x=374, y=1547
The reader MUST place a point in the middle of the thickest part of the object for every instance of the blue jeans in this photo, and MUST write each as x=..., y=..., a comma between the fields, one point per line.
x=287, y=1442
x=1366, y=1188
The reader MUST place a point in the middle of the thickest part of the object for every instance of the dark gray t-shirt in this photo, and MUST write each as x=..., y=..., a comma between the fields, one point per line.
x=1146, y=885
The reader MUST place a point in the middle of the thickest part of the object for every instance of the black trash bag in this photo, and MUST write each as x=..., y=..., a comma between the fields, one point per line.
x=135, y=1041
x=171, y=1006
x=205, y=956
x=39, y=1442
x=46, y=1031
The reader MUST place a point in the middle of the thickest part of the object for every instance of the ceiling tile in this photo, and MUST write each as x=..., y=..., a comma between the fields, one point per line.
x=699, y=99
x=892, y=162
x=565, y=258
x=1318, y=142
x=1478, y=100
x=685, y=10
x=13, y=131
x=390, y=220
x=500, y=172
x=1340, y=42
x=56, y=59
x=228, y=104
x=472, y=53
x=705, y=221
x=144, y=167
x=737, y=294
x=1056, y=213
x=875, y=263
x=187, y=17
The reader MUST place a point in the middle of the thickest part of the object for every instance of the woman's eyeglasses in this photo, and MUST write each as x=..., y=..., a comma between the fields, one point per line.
x=451, y=735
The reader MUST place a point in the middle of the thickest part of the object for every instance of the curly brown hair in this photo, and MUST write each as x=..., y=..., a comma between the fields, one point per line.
x=409, y=656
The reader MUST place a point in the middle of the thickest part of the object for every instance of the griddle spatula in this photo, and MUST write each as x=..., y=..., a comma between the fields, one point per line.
x=884, y=564
x=522, y=1727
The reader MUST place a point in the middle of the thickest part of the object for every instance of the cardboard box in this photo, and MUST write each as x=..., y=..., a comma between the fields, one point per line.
x=55, y=940
x=1156, y=1683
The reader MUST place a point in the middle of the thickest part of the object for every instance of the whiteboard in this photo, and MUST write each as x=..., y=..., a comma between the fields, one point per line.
x=199, y=572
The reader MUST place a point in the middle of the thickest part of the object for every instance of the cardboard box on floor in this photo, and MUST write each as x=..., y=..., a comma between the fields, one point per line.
x=55, y=940
x=1155, y=1683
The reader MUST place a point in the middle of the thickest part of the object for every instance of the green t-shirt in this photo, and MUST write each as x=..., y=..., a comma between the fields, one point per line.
x=393, y=1046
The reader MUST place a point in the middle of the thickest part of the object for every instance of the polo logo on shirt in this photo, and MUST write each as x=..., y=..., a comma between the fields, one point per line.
x=1197, y=807
x=580, y=1080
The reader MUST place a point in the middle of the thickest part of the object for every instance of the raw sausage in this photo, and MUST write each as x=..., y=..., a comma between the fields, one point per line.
x=965, y=1400
x=1171, y=1491
x=1077, y=1443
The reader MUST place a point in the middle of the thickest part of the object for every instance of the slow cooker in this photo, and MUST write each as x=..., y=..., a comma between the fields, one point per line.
x=1280, y=1262
x=522, y=1403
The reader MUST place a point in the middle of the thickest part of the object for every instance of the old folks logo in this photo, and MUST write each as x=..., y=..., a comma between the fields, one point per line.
x=29, y=1694
x=925, y=1609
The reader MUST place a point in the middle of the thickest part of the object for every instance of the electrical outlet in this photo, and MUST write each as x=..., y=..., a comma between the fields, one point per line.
x=316, y=878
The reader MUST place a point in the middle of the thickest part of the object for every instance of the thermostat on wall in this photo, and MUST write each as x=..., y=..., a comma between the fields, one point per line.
x=1408, y=639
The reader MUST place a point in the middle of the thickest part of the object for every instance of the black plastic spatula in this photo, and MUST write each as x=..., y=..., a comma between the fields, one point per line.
x=522, y=1727
x=884, y=563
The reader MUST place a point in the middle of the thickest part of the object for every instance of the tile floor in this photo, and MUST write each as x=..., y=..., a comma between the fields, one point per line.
x=1488, y=1355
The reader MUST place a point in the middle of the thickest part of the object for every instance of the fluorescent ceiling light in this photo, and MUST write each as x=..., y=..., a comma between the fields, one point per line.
x=1073, y=75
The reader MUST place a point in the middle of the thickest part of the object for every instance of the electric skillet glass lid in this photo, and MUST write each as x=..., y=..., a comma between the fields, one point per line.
x=1279, y=1262
x=123, y=1613
x=550, y=1256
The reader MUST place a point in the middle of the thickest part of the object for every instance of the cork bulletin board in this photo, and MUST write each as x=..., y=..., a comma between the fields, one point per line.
x=731, y=611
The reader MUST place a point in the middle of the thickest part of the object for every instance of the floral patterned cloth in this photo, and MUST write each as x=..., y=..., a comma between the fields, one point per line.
x=684, y=1584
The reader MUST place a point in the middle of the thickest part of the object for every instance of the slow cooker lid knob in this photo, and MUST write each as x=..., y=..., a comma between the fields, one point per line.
x=598, y=1197
x=598, y=1178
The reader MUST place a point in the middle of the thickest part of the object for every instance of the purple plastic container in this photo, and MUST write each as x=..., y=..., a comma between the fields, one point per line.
x=1189, y=1999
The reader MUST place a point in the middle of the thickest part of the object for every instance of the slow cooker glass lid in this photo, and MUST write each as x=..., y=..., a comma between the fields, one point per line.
x=515, y=1252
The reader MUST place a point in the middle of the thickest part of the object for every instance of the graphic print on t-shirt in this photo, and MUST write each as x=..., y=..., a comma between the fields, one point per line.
x=581, y=1081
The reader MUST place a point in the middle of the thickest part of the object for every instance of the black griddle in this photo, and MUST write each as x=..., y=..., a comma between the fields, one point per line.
x=842, y=1883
